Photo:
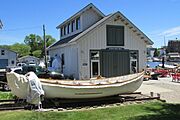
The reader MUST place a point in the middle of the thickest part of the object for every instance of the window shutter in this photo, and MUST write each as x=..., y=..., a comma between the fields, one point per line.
x=115, y=35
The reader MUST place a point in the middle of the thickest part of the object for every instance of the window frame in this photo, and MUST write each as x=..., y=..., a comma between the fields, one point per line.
x=73, y=26
x=78, y=23
x=62, y=31
x=2, y=52
x=115, y=32
x=68, y=28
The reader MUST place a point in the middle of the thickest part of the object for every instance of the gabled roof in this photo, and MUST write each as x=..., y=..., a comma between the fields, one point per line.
x=76, y=36
x=118, y=16
x=65, y=40
x=8, y=50
x=80, y=12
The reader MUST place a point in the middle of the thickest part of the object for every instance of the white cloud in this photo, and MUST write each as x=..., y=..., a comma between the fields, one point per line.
x=161, y=36
x=171, y=32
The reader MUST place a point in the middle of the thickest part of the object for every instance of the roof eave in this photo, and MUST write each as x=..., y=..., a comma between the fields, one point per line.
x=149, y=42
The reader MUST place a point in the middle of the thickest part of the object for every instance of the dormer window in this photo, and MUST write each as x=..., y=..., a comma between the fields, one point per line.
x=65, y=30
x=62, y=31
x=78, y=23
x=73, y=26
x=69, y=28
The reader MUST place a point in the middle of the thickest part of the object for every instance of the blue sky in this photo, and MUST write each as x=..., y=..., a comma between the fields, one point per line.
x=156, y=18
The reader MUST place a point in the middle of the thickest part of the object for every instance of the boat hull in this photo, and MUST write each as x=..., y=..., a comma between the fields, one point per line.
x=83, y=89
x=97, y=91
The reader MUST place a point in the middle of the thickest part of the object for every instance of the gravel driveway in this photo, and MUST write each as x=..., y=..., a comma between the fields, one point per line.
x=169, y=91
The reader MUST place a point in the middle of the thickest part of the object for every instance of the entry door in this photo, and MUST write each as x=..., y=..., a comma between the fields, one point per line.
x=95, y=68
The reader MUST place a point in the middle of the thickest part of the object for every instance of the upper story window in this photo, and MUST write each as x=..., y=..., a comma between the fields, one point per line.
x=62, y=31
x=68, y=28
x=115, y=35
x=73, y=26
x=65, y=29
x=78, y=23
x=2, y=52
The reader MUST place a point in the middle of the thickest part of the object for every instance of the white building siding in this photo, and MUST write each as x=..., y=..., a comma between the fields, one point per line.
x=89, y=18
x=70, y=67
x=96, y=39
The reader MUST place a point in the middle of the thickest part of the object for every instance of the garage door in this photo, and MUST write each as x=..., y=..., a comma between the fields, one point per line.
x=3, y=63
x=114, y=63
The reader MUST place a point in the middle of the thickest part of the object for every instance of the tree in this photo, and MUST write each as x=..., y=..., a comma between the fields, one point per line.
x=5, y=47
x=37, y=53
x=50, y=40
x=34, y=41
x=156, y=53
x=21, y=49
x=37, y=43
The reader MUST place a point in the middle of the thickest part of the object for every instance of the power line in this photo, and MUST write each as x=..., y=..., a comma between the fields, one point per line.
x=20, y=29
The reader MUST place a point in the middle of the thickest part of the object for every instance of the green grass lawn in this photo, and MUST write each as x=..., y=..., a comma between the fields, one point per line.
x=6, y=95
x=146, y=111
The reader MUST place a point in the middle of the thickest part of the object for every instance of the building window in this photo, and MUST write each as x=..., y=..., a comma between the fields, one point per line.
x=2, y=52
x=73, y=26
x=115, y=35
x=69, y=27
x=62, y=59
x=94, y=55
x=65, y=30
x=78, y=23
x=12, y=62
x=62, y=31
x=62, y=63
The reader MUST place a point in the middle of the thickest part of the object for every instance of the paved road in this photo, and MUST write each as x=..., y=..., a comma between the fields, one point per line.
x=170, y=91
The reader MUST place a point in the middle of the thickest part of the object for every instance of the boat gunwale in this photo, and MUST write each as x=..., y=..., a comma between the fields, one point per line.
x=58, y=82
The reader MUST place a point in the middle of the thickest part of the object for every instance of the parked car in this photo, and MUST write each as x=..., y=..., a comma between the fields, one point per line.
x=39, y=71
x=21, y=64
x=32, y=64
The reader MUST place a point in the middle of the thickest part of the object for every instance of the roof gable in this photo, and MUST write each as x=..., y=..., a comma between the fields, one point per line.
x=8, y=50
x=81, y=11
x=118, y=16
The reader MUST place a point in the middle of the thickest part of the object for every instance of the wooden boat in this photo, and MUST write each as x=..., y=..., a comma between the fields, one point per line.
x=80, y=89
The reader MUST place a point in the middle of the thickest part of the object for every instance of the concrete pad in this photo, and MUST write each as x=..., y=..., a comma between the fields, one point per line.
x=168, y=90
x=146, y=89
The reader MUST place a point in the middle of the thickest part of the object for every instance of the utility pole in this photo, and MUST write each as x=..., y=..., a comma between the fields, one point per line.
x=1, y=25
x=45, y=53
x=164, y=41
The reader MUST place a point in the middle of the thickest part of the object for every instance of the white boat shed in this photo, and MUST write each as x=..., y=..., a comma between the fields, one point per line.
x=93, y=44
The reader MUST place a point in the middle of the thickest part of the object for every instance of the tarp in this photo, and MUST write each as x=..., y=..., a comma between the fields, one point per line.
x=35, y=89
x=56, y=64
